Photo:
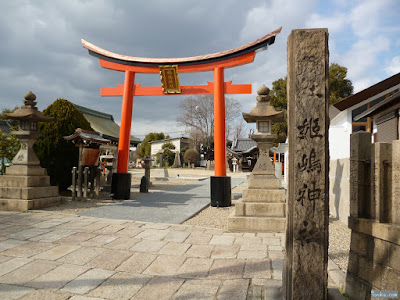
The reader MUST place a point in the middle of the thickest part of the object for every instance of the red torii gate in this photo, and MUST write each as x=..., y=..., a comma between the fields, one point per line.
x=216, y=62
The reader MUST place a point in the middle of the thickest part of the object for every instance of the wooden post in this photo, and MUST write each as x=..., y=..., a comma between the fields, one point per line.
x=73, y=183
x=305, y=272
x=80, y=171
x=98, y=174
x=85, y=182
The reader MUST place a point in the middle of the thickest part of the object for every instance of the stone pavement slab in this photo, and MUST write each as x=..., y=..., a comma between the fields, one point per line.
x=28, y=272
x=12, y=264
x=165, y=265
x=120, y=286
x=159, y=288
x=58, y=277
x=146, y=261
x=8, y=291
x=198, y=290
x=87, y=281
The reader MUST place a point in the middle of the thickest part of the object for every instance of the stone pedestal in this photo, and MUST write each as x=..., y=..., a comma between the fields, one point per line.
x=305, y=272
x=262, y=207
x=26, y=187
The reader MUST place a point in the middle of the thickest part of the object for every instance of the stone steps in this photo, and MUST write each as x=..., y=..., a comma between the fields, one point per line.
x=260, y=209
x=264, y=195
x=27, y=193
x=25, y=205
x=260, y=224
x=24, y=181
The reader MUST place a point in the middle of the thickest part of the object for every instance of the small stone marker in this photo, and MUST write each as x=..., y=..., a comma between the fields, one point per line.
x=147, y=161
x=305, y=274
x=144, y=185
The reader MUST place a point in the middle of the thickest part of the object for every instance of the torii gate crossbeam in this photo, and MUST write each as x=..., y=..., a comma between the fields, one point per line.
x=216, y=62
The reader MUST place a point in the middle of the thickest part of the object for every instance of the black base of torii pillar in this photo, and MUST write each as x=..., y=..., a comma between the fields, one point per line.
x=121, y=186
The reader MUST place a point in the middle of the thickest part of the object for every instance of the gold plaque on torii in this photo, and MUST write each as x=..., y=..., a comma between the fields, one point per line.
x=170, y=79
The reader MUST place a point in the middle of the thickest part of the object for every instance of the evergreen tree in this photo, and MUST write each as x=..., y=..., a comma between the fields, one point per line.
x=145, y=147
x=56, y=154
x=167, y=152
x=339, y=88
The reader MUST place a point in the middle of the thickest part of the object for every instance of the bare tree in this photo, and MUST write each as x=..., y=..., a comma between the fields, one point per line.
x=197, y=114
x=239, y=129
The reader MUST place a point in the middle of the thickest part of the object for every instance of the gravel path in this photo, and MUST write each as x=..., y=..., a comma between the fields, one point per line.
x=339, y=243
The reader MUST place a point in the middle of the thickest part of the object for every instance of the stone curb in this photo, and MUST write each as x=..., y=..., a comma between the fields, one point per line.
x=337, y=275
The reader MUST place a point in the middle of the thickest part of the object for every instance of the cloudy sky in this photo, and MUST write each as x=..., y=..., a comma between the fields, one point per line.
x=41, y=50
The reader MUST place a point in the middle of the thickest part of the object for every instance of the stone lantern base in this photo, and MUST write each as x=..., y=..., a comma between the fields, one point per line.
x=25, y=188
x=263, y=205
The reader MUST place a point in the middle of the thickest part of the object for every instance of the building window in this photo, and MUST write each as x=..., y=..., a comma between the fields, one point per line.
x=263, y=127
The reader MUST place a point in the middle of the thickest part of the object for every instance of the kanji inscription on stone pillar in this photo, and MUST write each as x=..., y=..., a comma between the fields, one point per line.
x=305, y=274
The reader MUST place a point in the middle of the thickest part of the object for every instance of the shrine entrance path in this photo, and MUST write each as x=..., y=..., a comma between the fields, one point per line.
x=173, y=206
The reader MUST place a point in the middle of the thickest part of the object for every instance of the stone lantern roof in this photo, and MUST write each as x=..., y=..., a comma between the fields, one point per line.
x=263, y=110
x=29, y=111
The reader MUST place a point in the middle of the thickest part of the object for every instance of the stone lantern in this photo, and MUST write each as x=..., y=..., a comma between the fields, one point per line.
x=26, y=161
x=26, y=184
x=264, y=115
x=262, y=207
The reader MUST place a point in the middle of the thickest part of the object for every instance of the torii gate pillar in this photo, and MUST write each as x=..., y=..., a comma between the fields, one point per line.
x=220, y=183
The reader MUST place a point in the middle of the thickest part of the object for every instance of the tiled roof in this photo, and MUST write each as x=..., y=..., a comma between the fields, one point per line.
x=87, y=137
x=103, y=123
x=243, y=145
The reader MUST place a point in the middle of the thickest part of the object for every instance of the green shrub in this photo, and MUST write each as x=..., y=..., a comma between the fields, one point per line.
x=56, y=154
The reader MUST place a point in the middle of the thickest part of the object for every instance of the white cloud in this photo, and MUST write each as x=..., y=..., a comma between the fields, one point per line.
x=141, y=127
x=362, y=58
x=365, y=17
x=394, y=66
x=334, y=23
x=364, y=82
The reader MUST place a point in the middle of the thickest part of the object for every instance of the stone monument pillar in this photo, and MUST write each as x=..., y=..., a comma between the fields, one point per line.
x=26, y=184
x=177, y=160
x=305, y=272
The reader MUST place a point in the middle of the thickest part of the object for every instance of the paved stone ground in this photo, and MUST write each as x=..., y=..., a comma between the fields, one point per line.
x=49, y=255
x=171, y=206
